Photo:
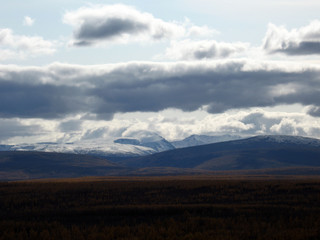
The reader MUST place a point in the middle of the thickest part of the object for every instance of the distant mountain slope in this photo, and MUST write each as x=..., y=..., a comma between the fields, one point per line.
x=196, y=140
x=138, y=143
x=25, y=165
x=85, y=147
x=147, y=139
x=158, y=146
x=282, y=155
x=253, y=153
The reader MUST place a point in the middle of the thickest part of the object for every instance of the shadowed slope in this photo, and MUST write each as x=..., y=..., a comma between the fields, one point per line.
x=252, y=153
x=24, y=165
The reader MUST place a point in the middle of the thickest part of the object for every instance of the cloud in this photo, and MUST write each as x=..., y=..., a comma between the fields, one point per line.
x=70, y=125
x=302, y=41
x=201, y=31
x=171, y=123
x=60, y=90
x=204, y=49
x=314, y=111
x=118, y=23
x=193, y=30
x=249, y=122
x=94, y=133
x=19, y=46
x=28, y=21
x=101, y=24
x=10, y=128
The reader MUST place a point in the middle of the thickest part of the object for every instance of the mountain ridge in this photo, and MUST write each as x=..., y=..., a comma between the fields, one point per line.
x=228, y=154
x=255, y=155
x=137, y=144
x=196, y=140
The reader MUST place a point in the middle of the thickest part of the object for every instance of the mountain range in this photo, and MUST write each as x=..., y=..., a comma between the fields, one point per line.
x=252, y=153
x=196, y=140
x=154, y=142
x=140, y=143
x=256, y=155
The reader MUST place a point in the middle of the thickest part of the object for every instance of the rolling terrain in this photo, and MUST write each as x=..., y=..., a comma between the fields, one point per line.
x=160, y=208
x=261, y=152
x=17, y=165
x=276, y=155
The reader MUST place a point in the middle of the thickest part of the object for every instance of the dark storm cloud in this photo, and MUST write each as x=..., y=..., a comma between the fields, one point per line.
x=91, y=30
x=303, y=41
x=304, y=48
x=59, y=90
x=14, y=128
x=43, y=100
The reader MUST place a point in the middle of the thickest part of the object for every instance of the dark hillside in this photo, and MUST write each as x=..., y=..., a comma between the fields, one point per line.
x=25, y=165
x=252, y=153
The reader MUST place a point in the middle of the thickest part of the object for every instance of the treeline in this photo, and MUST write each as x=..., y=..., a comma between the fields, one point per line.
x=163, y=209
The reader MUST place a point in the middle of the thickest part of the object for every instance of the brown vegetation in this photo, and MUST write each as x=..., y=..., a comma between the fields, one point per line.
x=161, y=208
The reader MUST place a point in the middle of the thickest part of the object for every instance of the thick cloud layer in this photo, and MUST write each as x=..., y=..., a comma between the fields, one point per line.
x=118, y=23
x=205, y=49
x=10, y=128
x=302, y=41
x=59, y=90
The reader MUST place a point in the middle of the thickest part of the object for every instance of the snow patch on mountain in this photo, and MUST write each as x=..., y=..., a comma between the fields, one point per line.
x=286, y=139
x=86, y=147
x=144, y=143
x=5, y=147
x=195, y=140
x=146, y=139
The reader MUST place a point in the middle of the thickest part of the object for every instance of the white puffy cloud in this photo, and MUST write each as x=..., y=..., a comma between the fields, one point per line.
x=28, y=21
x=20, y=46
x=201, y=31
x=119, y=23
x=172, y=124
x=203, y=49
x=99, y=24
x=196, y=31
x=301, y=41
x=249, y=122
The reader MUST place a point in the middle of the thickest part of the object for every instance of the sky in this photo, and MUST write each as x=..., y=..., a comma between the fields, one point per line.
x=73, y=71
